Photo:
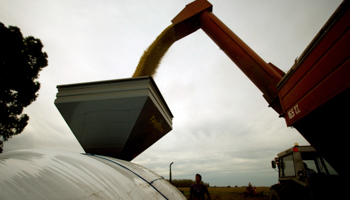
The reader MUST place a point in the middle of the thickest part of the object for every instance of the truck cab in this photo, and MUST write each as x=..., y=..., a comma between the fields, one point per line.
x=304, y=174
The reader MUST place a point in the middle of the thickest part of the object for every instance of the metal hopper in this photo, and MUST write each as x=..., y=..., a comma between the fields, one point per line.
x=118, y=118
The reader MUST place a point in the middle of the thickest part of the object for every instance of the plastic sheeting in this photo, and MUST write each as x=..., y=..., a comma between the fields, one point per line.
x=57, y=174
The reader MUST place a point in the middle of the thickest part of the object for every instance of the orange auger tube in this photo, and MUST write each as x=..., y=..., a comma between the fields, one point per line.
x=263, y=75
x=198, y=15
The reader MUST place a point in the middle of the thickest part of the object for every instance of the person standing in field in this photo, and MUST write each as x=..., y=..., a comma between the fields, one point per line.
x=198, y=190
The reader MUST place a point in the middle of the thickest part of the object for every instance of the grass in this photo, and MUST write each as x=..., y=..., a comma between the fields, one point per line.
x=226, y=193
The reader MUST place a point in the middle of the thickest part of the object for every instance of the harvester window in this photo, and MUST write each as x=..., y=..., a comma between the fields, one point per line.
x=325, y=167
x=318, y=164
x=311, y=165
x=310, y=162
x=288, y=166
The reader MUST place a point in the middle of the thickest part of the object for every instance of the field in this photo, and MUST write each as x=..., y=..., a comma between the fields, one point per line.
x=234, y=193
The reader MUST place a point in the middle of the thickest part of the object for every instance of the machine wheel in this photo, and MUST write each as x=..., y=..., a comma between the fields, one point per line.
x=274, y=194
x=288, y=191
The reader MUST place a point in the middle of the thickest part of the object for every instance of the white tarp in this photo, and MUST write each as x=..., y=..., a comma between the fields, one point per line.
x=57, y=174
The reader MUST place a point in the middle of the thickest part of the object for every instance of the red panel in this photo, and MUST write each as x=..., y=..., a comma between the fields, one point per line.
x=333, y=35
x=327, y=89
x=330, y=61
x=322, y=75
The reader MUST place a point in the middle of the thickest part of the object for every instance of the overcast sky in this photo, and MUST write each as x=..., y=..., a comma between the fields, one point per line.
x=222, y=126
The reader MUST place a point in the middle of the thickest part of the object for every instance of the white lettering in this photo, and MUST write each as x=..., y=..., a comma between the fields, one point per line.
x=296, y=109
x=291, y=113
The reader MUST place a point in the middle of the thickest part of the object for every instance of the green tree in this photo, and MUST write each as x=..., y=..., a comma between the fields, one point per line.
x=21, y=60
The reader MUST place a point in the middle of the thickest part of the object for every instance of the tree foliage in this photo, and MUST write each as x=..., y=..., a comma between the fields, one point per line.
x=21, y=60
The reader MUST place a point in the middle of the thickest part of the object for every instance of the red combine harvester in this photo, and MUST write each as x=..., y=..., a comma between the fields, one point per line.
x=312, y=96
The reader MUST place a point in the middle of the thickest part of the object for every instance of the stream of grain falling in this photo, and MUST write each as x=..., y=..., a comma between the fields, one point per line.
x=151, y=58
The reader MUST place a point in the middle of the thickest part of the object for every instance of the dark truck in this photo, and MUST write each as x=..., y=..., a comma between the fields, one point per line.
x=304, y=174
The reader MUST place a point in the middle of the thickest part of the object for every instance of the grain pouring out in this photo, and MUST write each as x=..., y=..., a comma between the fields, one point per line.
x=151, y=58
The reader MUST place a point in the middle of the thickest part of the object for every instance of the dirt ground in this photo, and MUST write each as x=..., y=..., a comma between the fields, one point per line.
x=228, y=193
x=234, y=196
